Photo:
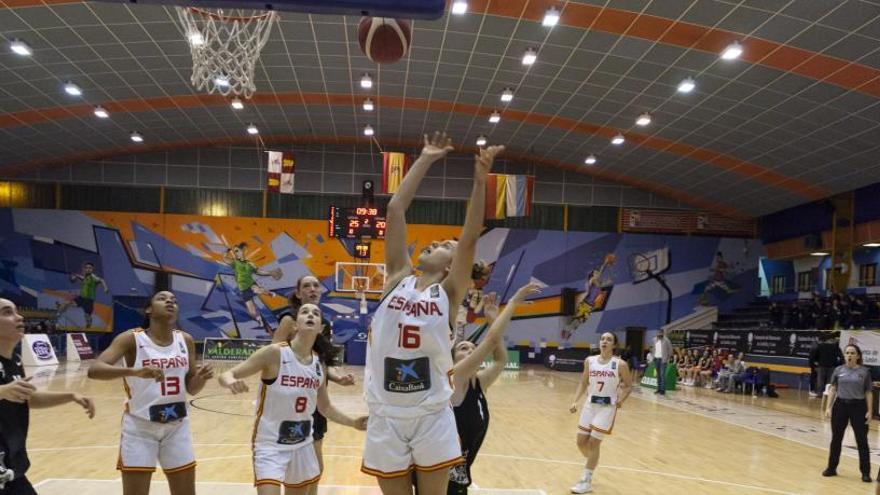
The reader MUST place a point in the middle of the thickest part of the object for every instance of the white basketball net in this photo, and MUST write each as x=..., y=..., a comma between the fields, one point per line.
x=225, y=46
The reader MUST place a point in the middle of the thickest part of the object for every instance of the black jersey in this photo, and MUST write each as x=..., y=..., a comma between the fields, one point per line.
x=14, y=419
x=472, y=422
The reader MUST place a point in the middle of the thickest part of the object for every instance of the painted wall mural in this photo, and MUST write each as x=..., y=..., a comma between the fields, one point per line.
x=232, y=276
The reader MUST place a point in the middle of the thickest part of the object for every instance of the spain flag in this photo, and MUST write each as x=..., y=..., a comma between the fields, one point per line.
x=394, y=167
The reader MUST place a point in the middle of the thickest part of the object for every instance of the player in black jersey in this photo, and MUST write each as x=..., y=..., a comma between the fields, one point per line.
x=308, y=291
x=17, y=396
x=469, y=404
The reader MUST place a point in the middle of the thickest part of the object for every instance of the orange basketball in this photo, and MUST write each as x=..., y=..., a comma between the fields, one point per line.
x=384, y=40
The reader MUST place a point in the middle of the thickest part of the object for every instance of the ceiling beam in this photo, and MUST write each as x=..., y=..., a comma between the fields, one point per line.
x=608, y=175
x=746, y=169
x=807, y=63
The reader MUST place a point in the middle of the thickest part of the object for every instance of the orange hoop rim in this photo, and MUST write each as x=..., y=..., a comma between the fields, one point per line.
x=229, y=18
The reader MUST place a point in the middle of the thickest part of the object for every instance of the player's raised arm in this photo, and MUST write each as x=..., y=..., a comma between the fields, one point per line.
x=397, y=261
x=457, y=281
x=469, y=365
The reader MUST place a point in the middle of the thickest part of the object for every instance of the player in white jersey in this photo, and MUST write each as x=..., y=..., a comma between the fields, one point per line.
x=608, y=383
x=157, y=371
x=407, y=381
x=293, y=385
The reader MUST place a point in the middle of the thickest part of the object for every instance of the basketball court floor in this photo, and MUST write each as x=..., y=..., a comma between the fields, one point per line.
x=691, y=441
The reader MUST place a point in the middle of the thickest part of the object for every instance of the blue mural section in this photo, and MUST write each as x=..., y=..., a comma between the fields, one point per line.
x=231, y=276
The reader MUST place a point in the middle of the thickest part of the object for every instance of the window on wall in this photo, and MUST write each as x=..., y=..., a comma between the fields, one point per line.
x=778, y=285
x=868, y=275
x=805, y=281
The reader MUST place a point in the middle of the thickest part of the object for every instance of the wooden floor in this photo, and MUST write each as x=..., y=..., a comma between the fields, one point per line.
x=692, y=441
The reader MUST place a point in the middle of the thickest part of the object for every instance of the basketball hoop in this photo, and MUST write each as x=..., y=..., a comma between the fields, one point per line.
x=225, y=46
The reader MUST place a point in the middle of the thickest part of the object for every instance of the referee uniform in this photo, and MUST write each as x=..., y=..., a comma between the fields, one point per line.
x=14, y=419
x=850, y=406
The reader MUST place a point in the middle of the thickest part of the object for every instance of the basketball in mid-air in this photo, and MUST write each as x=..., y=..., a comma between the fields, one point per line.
x=384, y=40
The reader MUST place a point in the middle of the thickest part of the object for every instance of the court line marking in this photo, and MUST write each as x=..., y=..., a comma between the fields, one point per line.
x=231, y=483
x=501, y=456
x=723, y=420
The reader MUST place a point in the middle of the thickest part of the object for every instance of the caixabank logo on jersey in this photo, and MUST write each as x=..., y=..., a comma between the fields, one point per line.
x=407, y=375
x=42, y=350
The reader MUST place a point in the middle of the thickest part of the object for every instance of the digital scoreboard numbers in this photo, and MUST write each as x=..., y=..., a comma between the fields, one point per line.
x=361, y=222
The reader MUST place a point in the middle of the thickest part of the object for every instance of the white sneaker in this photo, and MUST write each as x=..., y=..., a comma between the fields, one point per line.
x=582, y=486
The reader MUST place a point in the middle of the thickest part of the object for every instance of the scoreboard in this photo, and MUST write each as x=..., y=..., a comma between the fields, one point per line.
x=361, y=222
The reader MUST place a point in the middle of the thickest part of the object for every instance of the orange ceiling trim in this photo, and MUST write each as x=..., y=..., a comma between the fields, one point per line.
x=14, y=169
x=659, y=29
x=726, y=162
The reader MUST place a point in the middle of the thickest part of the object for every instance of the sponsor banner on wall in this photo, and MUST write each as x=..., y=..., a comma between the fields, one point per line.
x=779, y=343
x=566, y=359
x=78, y=347
x=231, y=349
x=36, y=350
x=683, y=222
x=867, y=340
x=512, y=360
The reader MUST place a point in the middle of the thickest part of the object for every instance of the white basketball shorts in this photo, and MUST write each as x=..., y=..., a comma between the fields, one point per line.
x=396, y=446
x=597, y=420
x=291, y=468
x=144, y=442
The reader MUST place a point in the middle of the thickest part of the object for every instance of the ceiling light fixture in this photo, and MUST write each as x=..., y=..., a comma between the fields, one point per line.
x=236, y=104
x=871, y=244
x=507, y=95
x=732, y=52
x=72, y=89
x=529, y=56
x=591, y=160
x=643, y=120
x=21, y=48
x=366, y=81
x=368, y=105
x=136, y=137
x=618, y=139
x=687, y=85
x=495, y=117
x=252, y=130
x=101, y=112
x=819, y=253
x=196, y=39
x=459, y=7
x=481, y=140
x=368, y=130
x=551, y=17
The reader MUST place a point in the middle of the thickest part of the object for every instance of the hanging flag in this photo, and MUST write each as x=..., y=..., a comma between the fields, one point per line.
x=509, y=195
x=281, y=169
x=395, y=165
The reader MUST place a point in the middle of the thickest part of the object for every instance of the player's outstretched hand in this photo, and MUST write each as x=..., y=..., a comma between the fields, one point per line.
x=574, y=408
x=150, y=372
x=204, y=372
x=360, y=423
x=483, y=161
x=87, y=403
x=526, y=291
x=437, y=147
x=239, y=387
x=346, y=380
x=18, y=391
x=276, y=274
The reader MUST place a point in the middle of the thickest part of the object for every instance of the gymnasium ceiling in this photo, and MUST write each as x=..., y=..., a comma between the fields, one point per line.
x=795, y=119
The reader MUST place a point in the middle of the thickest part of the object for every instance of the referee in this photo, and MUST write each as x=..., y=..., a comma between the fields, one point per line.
x=850, y=401
x=17, y=396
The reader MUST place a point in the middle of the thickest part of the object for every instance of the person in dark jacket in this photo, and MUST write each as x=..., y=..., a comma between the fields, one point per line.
x=825, y=357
